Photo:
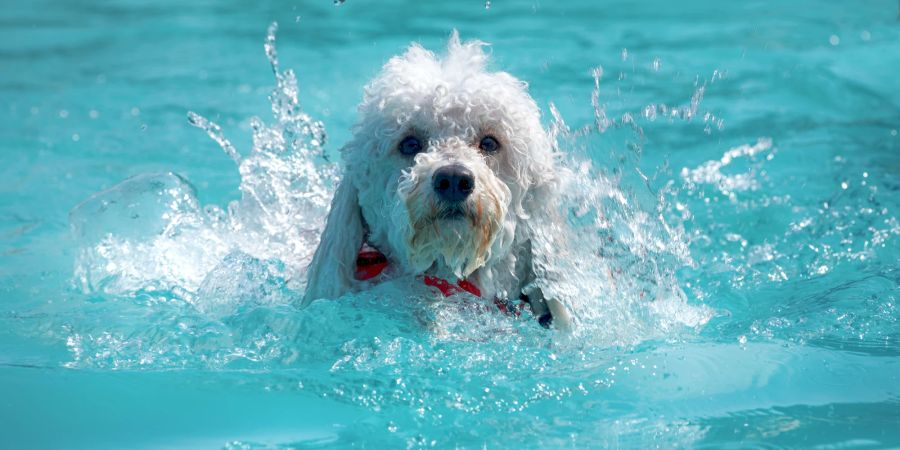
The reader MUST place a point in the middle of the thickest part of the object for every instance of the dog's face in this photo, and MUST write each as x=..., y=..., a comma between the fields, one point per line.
x=446, y=159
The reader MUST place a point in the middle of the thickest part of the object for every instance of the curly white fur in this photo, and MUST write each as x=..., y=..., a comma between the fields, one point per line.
x=387, y=200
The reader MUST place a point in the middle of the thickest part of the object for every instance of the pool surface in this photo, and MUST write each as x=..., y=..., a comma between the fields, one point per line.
x=733, y=233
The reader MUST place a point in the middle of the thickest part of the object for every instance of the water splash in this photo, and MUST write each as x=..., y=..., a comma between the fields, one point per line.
x=711, y=173
x=623, y=250
x=286, y=185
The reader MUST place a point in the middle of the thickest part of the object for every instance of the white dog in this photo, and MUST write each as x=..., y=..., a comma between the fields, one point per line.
x=449, y=176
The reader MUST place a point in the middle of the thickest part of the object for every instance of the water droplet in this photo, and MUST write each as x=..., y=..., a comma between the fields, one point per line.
x=657, y=63
x=144, y=127
x=624, y=54
x=893, y=132
x=865, y=35
x=93, y=114
x=76, y=137
x=35, y=110
x=742, y=339
x=339, y=2
x=844, y=185
x=63, y=114
x=135, y=111
x=834, y=40
x=487, y=4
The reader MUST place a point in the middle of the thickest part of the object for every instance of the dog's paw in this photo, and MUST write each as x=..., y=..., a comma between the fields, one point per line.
x=548, y=312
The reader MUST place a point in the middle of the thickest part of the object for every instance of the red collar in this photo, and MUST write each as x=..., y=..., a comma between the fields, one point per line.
x=449, y=289
x=370, y=263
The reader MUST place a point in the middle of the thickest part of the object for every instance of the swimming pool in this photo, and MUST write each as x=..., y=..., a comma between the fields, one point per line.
x=737, y=227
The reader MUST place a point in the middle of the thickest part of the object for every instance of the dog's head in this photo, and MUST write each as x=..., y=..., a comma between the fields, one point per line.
x=445, y=160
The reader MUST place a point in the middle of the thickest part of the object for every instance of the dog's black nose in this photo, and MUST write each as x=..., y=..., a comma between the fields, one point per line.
x=453, y=183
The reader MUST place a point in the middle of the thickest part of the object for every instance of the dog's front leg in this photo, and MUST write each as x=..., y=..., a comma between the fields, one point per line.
x=549, y=312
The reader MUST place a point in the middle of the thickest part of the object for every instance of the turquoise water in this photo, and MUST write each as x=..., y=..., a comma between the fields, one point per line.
x=736, y=230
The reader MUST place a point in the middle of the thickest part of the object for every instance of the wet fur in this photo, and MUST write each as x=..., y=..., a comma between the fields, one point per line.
x=386, y=198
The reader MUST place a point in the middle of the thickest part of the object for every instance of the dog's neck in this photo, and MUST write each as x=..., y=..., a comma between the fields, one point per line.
x=439, y=269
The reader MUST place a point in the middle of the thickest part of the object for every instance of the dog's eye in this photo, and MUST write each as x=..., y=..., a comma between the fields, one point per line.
x=410, y=145
x=489, y=144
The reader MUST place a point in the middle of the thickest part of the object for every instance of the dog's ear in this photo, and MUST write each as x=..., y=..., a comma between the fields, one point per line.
x=331, y=272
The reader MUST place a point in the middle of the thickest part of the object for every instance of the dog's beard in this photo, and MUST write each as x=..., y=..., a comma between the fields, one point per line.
x=460, y=236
